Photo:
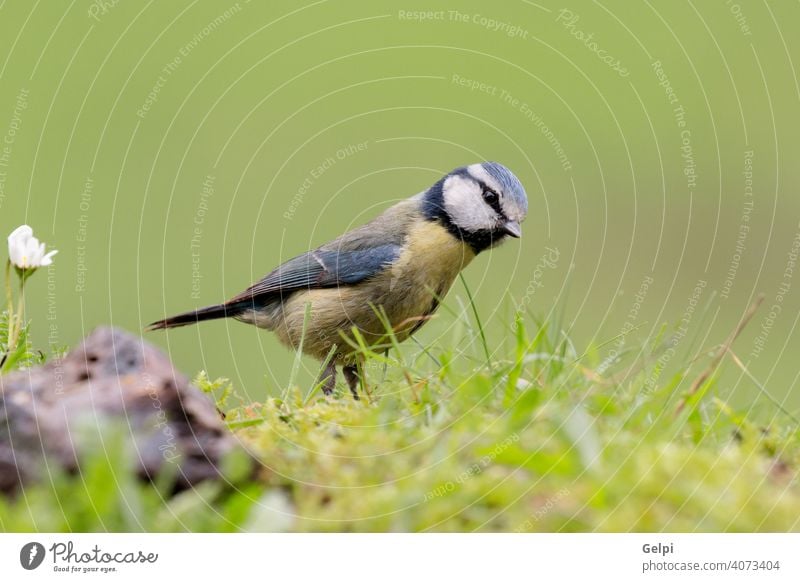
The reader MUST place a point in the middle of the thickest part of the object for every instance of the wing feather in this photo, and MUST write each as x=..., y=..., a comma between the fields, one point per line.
x=323, y=268
x=348, y=260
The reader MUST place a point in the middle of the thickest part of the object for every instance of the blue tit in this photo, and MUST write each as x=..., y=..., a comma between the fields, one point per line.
x=392, y=271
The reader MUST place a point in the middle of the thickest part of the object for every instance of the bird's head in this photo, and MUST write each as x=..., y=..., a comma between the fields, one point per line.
x=481, y=204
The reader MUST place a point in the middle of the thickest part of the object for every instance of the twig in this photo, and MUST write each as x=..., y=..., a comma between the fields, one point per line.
x=715, y=361
x=762, y=388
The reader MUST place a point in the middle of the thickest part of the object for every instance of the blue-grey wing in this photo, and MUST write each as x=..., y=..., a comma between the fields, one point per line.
x=323, y=268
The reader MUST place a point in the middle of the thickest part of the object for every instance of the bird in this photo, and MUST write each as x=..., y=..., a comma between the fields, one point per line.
x=392, y=272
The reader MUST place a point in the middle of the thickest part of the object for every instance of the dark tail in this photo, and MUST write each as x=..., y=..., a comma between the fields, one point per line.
x=190, y=317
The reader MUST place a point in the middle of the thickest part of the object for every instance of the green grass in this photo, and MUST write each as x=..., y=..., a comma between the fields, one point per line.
x=543, y=440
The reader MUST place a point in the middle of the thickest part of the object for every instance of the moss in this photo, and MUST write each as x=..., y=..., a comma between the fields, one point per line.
x=542, y=442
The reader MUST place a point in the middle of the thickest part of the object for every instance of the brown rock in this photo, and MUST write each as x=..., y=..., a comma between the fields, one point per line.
x=58, y=412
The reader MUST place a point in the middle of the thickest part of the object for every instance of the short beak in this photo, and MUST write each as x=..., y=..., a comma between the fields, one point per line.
x=512, y=228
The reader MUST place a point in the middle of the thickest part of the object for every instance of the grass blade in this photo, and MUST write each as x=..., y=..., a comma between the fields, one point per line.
x=299, y=353
x=478, y=321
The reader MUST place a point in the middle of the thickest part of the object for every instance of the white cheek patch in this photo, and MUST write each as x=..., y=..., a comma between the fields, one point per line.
x=465, y=206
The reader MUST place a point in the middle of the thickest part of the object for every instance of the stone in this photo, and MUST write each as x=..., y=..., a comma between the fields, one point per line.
x=114, y=383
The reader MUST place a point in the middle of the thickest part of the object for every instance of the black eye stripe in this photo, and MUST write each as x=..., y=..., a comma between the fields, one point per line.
x=494, y=202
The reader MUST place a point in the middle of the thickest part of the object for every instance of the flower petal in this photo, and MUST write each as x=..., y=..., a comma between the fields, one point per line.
x=32, y=251
x=23, y=232
x=15, y=253
x=47, y=260
x=17, y=243
x=25, y=251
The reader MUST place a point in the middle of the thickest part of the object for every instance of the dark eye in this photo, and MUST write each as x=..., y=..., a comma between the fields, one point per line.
x=490, y=196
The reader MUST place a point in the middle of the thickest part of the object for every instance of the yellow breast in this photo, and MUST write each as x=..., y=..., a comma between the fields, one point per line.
x=432, y=256
x=425, y=270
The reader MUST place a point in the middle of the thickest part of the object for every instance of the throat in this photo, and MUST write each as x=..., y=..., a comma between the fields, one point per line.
x=435, y=250
x=482, y=240
x=431, y=260
x=477, y=241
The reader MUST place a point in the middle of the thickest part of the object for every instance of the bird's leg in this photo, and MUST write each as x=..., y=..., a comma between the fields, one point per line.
x=328, y=375
x=351, y=375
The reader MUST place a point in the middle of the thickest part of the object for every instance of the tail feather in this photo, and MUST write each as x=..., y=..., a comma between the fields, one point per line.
x=190, y=317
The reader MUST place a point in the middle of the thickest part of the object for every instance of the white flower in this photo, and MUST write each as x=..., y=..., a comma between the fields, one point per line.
x=25, y=250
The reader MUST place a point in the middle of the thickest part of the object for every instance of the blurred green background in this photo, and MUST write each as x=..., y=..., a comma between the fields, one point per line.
x=174, y=152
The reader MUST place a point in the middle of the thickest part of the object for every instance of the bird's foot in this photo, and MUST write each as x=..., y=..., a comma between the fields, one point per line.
x=328, y=375
x=351, y=375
